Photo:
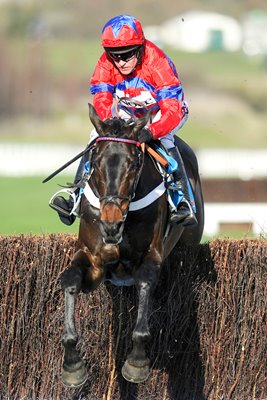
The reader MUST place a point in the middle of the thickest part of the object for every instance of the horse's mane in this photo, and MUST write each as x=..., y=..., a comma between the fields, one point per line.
x=117, y=127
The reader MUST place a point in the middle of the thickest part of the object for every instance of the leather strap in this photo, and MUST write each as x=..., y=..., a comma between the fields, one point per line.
x=157, y=156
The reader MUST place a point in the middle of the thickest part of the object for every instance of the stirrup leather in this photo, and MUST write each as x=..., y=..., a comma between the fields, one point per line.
x=70, y=193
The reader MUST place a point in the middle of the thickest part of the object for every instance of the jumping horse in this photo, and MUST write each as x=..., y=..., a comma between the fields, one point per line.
x=120, y=241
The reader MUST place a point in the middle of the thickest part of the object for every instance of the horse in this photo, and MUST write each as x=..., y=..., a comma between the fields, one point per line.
x=124, y=235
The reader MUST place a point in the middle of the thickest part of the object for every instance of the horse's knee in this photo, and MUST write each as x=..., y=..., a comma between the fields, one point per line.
x=71, y=280
x=72, y=290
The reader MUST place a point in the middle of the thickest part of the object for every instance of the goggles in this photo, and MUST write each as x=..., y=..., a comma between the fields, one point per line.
x=117, y=57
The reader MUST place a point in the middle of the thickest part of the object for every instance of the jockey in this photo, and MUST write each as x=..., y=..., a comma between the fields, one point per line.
x=132, y=66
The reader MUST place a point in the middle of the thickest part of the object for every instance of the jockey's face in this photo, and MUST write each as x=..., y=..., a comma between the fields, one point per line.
x=125, y=62
x=126, y=67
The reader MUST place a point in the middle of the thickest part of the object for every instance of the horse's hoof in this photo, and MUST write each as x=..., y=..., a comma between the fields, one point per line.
x=74, y=378
x=135, y=374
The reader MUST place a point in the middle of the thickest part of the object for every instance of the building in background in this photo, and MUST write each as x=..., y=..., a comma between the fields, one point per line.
x=254, y=27
x=198, y=31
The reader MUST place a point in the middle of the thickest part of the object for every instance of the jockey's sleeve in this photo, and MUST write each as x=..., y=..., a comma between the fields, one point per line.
x=170, y=96
x=171, y=116
x=102, y=87
x=103, y=103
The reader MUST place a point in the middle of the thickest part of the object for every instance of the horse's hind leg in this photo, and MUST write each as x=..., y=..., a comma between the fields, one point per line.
x=74, y=372
x=136, y=367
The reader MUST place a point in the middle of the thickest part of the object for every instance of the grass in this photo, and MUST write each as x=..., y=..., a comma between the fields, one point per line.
x=24, y=207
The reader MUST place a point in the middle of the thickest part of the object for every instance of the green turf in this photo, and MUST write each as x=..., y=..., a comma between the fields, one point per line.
x=24, y=206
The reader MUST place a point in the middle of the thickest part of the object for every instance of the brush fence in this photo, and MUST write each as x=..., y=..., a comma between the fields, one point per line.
x=208, y=325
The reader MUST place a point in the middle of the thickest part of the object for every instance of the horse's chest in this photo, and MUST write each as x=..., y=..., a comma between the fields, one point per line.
x=119, y=274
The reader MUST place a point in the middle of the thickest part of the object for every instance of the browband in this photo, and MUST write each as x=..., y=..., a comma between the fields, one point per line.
x=115, y=139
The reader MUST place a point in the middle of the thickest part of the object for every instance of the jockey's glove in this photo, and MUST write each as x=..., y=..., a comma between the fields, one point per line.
x=145, y=136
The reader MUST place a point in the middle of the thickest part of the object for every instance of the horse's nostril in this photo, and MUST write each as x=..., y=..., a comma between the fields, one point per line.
x=112, y=229
x=116, y=228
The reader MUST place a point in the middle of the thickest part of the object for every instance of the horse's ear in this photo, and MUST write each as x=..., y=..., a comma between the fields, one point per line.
x=96, y=121
x=141, y=123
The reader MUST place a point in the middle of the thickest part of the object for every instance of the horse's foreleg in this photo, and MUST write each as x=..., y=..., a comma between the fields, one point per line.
x=74, y=372
x=136, y=367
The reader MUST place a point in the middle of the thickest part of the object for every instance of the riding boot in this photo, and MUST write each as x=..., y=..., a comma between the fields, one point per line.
x=64, y=206
x=185, y=211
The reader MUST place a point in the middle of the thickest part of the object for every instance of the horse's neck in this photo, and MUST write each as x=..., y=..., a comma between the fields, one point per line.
x=149, y=179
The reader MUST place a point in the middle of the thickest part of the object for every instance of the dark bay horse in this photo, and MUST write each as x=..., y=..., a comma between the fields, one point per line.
x=122, y=235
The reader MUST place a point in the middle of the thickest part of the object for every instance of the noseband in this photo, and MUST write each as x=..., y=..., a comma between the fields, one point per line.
x=114, y=199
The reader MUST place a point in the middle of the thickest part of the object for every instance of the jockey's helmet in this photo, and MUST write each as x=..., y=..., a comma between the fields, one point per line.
x=122, y=31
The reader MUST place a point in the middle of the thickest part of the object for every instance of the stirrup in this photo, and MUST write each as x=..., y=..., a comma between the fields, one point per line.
x=70, y=193
x=191, y=218
x=187, y=220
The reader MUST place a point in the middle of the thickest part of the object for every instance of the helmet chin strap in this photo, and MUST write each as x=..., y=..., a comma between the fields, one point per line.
x=140, y=54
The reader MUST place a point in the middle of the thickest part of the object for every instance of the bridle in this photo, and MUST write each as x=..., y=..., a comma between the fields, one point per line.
x=115, y=199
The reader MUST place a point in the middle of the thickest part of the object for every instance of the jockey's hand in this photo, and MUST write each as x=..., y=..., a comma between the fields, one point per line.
x=145, y=136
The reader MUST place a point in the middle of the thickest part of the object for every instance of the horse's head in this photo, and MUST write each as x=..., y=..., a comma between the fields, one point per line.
x=117, y=164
